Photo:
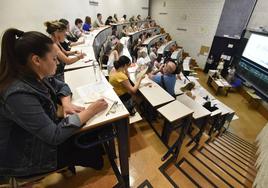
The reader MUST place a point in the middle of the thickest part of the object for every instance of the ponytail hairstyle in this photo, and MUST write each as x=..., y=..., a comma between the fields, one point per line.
x=17, y=47
x=64, y=21
x=53, y=26
x=123, y=60
x=119, y=48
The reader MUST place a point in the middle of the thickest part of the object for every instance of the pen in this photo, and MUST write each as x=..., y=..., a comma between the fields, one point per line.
x=114, y=103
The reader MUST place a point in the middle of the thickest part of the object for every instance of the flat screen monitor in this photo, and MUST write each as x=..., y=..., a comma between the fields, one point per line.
x=257, y=50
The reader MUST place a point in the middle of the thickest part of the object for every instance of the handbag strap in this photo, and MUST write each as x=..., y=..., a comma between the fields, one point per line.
x=163, y=82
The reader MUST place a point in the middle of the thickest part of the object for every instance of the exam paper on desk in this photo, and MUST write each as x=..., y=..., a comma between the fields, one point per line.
x=92, y=92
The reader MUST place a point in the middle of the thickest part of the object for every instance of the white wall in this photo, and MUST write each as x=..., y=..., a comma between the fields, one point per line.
x=199, y=17
x=31, y=14
x=260, y=15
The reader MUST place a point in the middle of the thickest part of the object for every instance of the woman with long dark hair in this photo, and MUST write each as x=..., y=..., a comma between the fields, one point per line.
x=119, y=79
x=33, y=139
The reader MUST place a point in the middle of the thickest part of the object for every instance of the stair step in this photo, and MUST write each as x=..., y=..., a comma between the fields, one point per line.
x=240, y=139
x=234, y=144
x=226, y=168
x=214, y=167
x=240, y=142
x=179, y=178
x=240, y=162
x=250, y=160
x=187, y=168
x=230, y=163
x=243, y=155
x=235, y=153
x=206, y=172
x=237, y=144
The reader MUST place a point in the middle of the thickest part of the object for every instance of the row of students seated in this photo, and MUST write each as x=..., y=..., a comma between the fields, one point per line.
x=34, y=139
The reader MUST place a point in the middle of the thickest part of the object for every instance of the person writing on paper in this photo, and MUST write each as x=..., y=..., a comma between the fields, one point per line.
x=187, y=89
x=77, y=29
x=98, y=23
x=109, y=20
x=57, y=30
x=33, y=139
x=119, y=79
x=139, y=18
x=69, y=35
x=114, y=55
x=115, y=19
x=70, y=40
x=165, y=76
x=87, y=25
x=141, y=57
x=124, y=31
x=124, y=18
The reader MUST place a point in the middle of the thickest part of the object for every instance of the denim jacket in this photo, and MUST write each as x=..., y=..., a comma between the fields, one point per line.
x=30, y=130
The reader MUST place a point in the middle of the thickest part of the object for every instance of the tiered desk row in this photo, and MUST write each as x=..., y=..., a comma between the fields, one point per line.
x=88, y=84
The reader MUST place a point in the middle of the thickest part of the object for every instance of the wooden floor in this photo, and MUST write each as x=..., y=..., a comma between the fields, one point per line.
x=147, y=149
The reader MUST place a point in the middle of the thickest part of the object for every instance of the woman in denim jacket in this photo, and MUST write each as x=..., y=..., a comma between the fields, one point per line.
x=33, y=139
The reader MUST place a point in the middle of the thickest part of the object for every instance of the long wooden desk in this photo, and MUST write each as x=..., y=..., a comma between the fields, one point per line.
x=135, y=35
x=153, y=93
x=200, y=115
x=92, y=44
x=80, y=77
x=148, y=42
x=165, y=47
x=176, y=115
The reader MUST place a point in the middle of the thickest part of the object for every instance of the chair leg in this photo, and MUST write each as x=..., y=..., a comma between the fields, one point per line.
x=166, y=132
x=13, y=183
x=72, y=169
x=111, y=144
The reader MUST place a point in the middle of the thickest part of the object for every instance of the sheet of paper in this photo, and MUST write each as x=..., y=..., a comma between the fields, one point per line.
x=142, y=73
x=93, y=92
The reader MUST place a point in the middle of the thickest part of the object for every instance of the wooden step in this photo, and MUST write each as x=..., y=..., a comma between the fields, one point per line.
x=230, y=163
x=226, y=167
x=213, y=177
x=250, y=160
x=224, y=149
x=188, y=169
x=229, y=146
x=248, y=168
x=179, y=178
x=233, y=136
x=237, y=144
x=237, y=151
x=214, y=167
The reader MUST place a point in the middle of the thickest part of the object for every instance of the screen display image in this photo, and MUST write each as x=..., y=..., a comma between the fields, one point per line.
x=257, y=50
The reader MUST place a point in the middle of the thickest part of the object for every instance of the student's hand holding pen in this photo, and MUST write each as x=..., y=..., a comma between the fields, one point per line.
x=98, y=106
x=81, y=55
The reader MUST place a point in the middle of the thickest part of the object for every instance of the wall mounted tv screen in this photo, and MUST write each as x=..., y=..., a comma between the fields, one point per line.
x=257, y=50
x=253, y=66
